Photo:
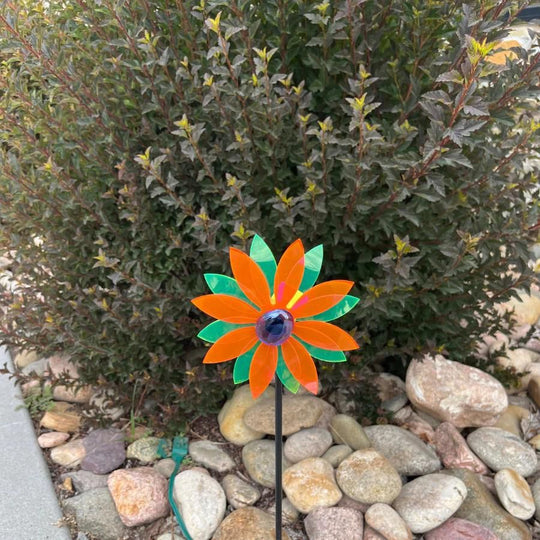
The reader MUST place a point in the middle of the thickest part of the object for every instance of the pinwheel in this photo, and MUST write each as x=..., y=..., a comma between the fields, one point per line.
x=273, y=319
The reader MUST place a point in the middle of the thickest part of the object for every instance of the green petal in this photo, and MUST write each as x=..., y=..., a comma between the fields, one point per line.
x=323, y=354
x=342, y=307
x=217, y=329
x=263, y=256
x=220, y=284
x=285, y=376
x=242, y=365
x=313, y=262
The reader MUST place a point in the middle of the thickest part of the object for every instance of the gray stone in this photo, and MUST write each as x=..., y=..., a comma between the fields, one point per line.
x=311, y=442
x=334, y=524
x=298, y=412
x=104, y=451
x=368, y=477
x=144, y=450
x=346, y=430
x=310, y=483
x=85, y=480
x=337, y=453
x=428, y=501
x=70, y=454
x=481, y=507
x=289, y=514
x=259, y=458
x=201, y=502
x=211, y=455
x=406, y=452
x=386, y=521
x=37, y=368
x=500, y=449
x=240, y=493
x=95, y=514
x=165, y=467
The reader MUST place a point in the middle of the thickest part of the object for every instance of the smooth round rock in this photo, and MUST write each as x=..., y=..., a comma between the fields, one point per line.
x=454, y=392
x=201, y=502
x=368, y=477
x=310, y=484
x=311, y=442
x=239, y=493
x=69, y=454
x=499, y=449
x=460, y=529
x=346, y=430
x=334, y=524
x=247, y=524
x=105, y=451
x=535, y=489
x=259, y=458
x=210, y=455
x=387, y=522
x=408, y=454
x=165, y=467
x=52, y=439
x=299, y=411
x=337, y=453
x=85, y=480
x=428, y=501
x=515, y=494
x=144, y=450
x=231, y=417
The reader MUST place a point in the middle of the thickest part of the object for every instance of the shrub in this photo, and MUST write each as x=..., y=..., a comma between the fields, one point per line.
x=140, y=139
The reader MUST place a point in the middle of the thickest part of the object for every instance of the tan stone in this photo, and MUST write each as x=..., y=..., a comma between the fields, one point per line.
x=248, y=523
x=454, y=451
x=454, y=392
x=24, y=358
x=515, y=494
x=511, y=419
x=526, y=308
x=310, y=484
x=52, y=439
x=62, y=417
x=386, y=521
x=70, y=454
x=74, y=394
x=533, y=389
x=231, y=417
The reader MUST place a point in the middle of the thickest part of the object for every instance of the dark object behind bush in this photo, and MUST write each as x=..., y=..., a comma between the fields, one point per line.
x=140, y=139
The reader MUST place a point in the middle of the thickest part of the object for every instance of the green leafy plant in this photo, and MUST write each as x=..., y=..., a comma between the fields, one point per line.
x=140, y=139
x=39, y=400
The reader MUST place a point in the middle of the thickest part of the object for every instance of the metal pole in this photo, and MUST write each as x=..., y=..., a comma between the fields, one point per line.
x=279, y=452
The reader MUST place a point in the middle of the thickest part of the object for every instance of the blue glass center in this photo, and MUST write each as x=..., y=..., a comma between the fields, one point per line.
x=274, y=327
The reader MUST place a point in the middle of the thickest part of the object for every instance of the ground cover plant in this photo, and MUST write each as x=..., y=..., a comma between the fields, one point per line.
x=139, y=140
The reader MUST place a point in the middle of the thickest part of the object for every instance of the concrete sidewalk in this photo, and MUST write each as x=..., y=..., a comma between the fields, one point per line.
x=28, y=503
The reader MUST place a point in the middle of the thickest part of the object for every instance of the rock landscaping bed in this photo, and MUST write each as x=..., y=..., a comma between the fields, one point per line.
x=457, y=460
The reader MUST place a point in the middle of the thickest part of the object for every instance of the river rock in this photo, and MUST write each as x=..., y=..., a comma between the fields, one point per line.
x=247, y=524
x=85, y=481
x=526, y=308
x=372, y=534
x=428, y=501
x=453, y=450
x=454, y=392
x=499, y=449
x=165, y=467
x=105, y=451
x=52, y=439
x=61, y=417
x=69, y=454
x=481, y=507
x=239, y=493
x=533, y=389
x=409, y=420
x=511, y=419
x=311, y=442
x=144, y=450
x=210, y=455
x=298, y=412
x=346, y=430
x=406, y=452
x=535, y=489
x=95, y=514
x=289, y=514
x=386, y=521
x=460, y=529
x=337, y=453
x=139, y=494
x=201, y=502
x=515, y=494
x=368, y=477
x=334, y=524
x=25, y=358
x=259, y=458
x=231, y=417
x=310, y=483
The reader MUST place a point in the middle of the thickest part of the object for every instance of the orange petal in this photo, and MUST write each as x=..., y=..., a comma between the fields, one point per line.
x=231, y=345
x=290, y=271
x=300, y=364
x=320, y=298
x=262, y=369
x=250, y=277
x=226, y=308
x=324, y=335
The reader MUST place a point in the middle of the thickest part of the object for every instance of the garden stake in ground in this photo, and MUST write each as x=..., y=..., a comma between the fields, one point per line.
x=273, y=319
